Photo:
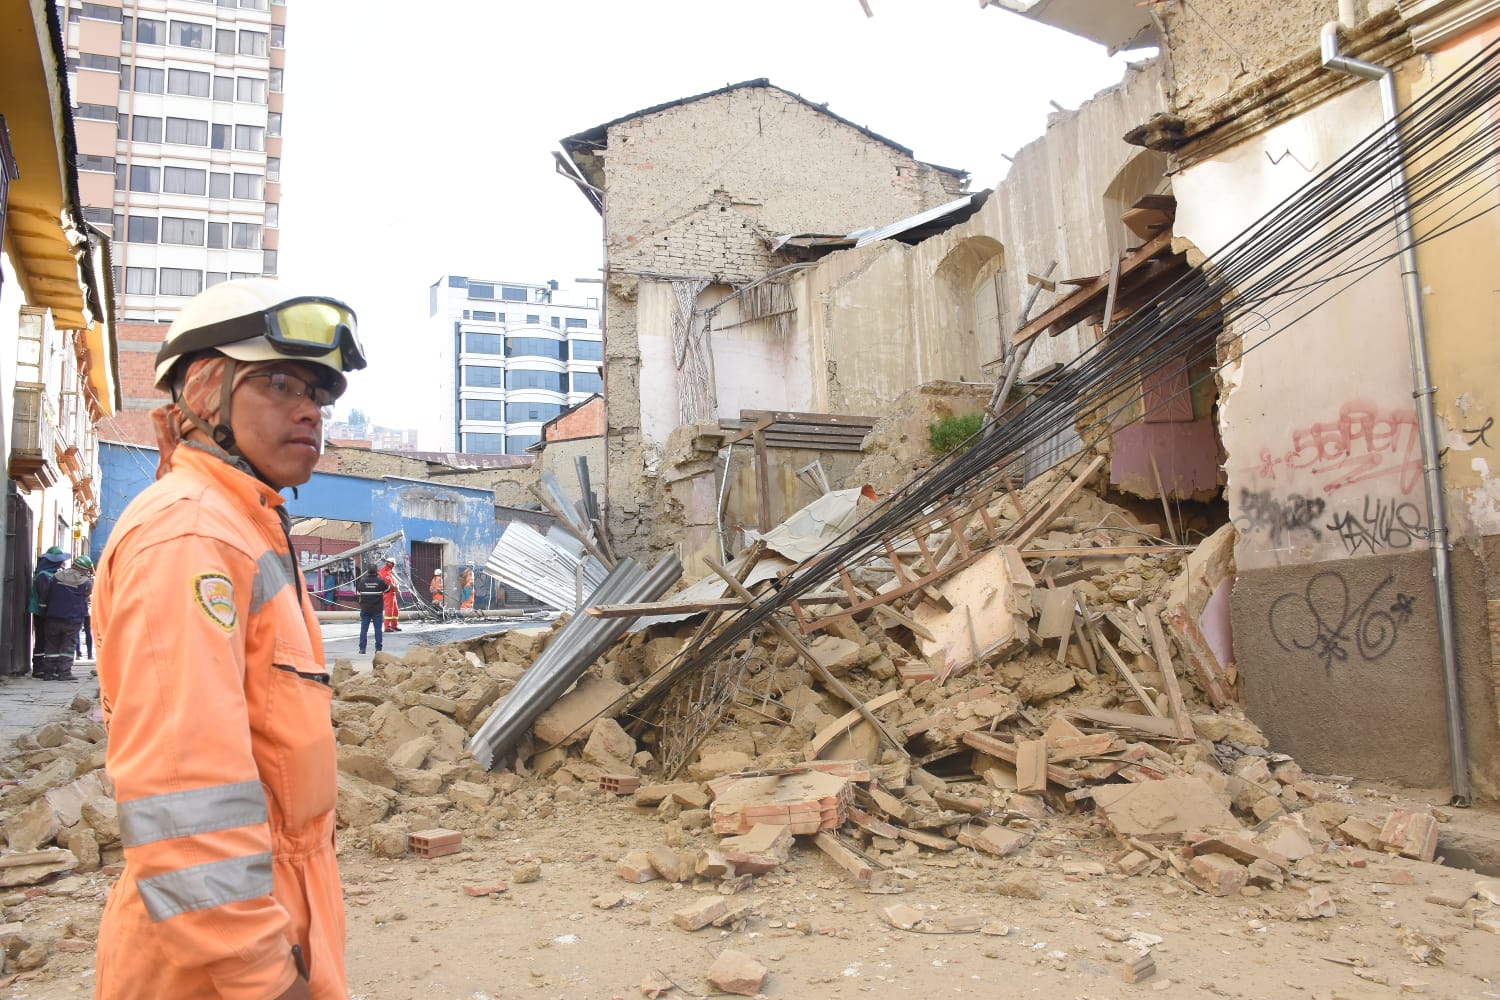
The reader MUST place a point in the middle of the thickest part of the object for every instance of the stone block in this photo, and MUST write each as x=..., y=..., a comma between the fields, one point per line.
x=636, y=867
x=568, y=720
x=103, y=816
x=412, y=753
x=366, y=764
x=470, y=795
x=700, y=914
x=609, y=746
x=1217, y=875
x=1411, y=834
x=477, y=698
x=31, y=827
x=359, y=802
x=994, y=840
x=737, y=973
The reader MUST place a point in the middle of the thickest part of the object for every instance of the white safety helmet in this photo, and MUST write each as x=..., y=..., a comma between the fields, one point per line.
x=257, y=319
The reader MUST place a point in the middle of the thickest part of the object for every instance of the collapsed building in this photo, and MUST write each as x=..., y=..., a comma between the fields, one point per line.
x=1249, y=179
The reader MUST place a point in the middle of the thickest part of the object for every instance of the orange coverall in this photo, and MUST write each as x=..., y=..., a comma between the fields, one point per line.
x=221, y=747
x=392, y=613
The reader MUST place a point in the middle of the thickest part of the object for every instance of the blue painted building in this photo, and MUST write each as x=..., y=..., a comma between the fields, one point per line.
x=446, y=526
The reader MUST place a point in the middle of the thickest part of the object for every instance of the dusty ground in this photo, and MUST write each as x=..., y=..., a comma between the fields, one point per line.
x=415, y=933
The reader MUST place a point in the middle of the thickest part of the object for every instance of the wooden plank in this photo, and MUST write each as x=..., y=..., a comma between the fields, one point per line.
x=889, y=596
x=996, y=747
x=852, y=861
x=1128, y=674
x=872, y=825
x=1178, y=707
x=1200, y=658
x=1049, y=514
x=1031, y=765
x=843, y=723
x=831, y=682
x=1147, y=725
x=1105, y=552
x=1099, y=285
x=798, y=417
x=762, y=480
x=929, y=840
x=1058, y=608
x=663, y=608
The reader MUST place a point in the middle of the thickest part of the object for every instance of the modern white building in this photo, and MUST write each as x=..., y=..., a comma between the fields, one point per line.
x=513, y=357
x=178, y=112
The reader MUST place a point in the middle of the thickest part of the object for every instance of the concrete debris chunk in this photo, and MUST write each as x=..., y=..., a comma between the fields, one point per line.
x=1161, y=812
x=700, y=914
x=1217, y=875
x=636, y=867
x=31, y=867
x=1319, y=904
x=901, y=916
x=1411, y=834
x=997, y=841
x=737, y=973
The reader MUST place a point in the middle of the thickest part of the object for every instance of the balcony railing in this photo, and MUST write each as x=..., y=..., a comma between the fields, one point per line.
x=31, y=439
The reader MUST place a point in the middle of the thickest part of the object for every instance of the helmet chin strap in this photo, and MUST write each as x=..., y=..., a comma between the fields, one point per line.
x=220, y=433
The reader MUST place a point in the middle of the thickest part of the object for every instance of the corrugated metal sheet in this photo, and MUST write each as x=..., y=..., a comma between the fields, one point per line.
x=546, y=567
x=580, y=642
x=920, y=219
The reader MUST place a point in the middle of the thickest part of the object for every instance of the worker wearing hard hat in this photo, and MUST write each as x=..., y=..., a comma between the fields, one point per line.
x=435, y=588
x=211, y=667
x=392, y=617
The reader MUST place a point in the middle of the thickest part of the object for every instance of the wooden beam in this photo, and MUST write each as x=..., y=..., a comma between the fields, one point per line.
x=1105, y=552
x=1096, y=286
x=1125, y=671
x=1043, y=519
x=831, y=732
x=1168, y=672
x=762, y=480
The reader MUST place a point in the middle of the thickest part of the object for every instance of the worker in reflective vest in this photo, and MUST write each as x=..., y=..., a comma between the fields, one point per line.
x=392, y=612
x=211, y=669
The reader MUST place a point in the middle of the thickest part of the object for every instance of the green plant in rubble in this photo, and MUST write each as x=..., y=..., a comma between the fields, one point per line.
x=953, y=432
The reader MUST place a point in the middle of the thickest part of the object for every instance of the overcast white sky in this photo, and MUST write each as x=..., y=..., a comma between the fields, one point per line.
x=416, y=146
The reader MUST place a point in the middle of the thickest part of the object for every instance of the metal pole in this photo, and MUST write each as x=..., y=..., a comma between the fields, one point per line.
x=1423, y=391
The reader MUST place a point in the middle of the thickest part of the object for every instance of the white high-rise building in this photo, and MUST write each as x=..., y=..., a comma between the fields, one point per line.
x=513, y=357
x=178, y=109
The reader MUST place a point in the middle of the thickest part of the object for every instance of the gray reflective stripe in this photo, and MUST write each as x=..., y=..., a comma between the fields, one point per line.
x=270, y=576
x=202, y=887
x=182, y=814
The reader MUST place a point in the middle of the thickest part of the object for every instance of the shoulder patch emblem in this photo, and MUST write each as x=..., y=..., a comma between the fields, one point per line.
x=215, y=595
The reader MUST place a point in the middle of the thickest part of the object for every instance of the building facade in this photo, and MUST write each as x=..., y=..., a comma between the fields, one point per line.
x=513, y=356
x=58, y=373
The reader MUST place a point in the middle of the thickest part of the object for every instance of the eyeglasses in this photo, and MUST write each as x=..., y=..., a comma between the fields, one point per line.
x=288, y=389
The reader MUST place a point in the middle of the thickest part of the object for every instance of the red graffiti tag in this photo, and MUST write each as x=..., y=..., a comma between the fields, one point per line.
x=1364, y=443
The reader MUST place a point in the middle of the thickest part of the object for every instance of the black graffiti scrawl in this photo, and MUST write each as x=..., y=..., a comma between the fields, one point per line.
x=1320, y=620
x=1281, y=518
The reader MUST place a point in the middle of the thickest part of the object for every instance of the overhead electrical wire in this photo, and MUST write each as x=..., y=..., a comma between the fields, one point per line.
x=1320, y=241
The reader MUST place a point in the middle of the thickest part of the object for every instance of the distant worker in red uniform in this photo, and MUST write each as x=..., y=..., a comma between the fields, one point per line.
x=392, y=612
x=466, y=589
x=435, y=588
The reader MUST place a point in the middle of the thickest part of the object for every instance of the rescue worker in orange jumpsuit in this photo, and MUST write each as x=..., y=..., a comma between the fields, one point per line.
x=466, y=589
x=392, y=612
x=435, y=589
x=211, y=668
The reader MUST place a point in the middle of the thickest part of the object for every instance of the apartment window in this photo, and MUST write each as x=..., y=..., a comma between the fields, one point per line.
x=224, y=88
x=273, y=123
x=213, y=278
x=119, y=177
x=482, y=409
x=516, y=444
x=187, y=131
x=183, y=232
x=184, y=180
x=127, y=32
x=145, y=129
x=149, y=80
x=118, y=221
x=552, y=381
x=189, y=83
x=587, y=350
x=100, y=12
x=140, y=229
x=224, y=42
x=190, y=36
x=273, y=215
x=534, y=319
x=574, y=323
x=249, y=186
x=98, y=216
x=273, y=168
x=219, y=136
x=275, y=79
x=481, y=290
x=540, y=347
x=557, y=322
x=588, y=382
x=518, y=412
x=484, y=316
x=146, y=179
x=149, y=31
x=483, y=377
x=140, y=281
x=483, y=343
x=251, y=90
x=92, y=60
x=218, y=185
x=250, y=137
x=244, y=236
x=101, y=164
x=457, y=281
x=180, y=281
x=122, y=127
x=278, y=36
x=510, y=293
x=218, y=238
x=241, y=275
x=478, y=443
x=268, y=262
x=252, y=43
x=256, y=4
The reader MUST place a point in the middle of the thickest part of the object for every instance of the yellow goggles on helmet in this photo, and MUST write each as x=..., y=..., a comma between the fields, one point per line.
x=303, y=327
